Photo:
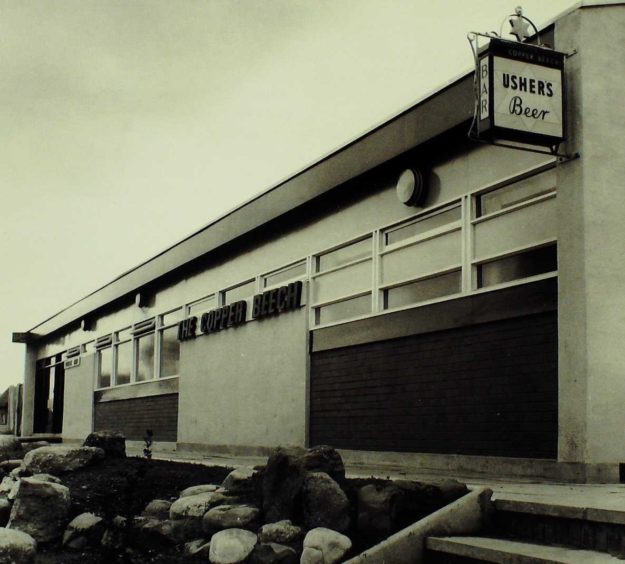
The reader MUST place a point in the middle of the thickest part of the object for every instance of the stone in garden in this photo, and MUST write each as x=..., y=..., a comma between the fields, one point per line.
x=157, y=509
x=10, y=448
x=377, y=509
x=240, y=480
x=282, y=482
x=17, y=547
x=84, y=530
x=326, y=544
x=5, y=511
x=324, y=503
x=27, y=447
x=282, y=532
x=324, y=459
x=111, y=442
x=197, y=547
x=8, y=465
x=154, y=534
x=40, y=509
x=7, y=484
x=273, y=553
x=46, y=478
x=191, y=506
x=185, y=530
x=60, y=459
x=231, y=546
x=230, y=516
x=202, y=488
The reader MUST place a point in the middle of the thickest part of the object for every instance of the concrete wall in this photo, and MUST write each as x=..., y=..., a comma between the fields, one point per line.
x=592, y=231
x=246, y=386
x=78, y=399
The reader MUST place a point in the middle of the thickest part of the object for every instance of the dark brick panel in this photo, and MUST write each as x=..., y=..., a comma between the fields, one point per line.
x=133, y=416
x=489, y=389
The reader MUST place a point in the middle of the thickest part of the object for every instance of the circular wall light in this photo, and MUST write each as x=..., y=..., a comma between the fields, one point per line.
x=410, y=188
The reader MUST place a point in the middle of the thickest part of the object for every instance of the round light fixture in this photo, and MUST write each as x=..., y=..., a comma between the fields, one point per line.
x=410, y=187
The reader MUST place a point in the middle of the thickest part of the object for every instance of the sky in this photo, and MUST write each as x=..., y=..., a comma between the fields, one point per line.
x=127, y=125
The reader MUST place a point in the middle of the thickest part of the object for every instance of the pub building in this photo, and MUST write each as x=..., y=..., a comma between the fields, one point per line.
x=415, y=296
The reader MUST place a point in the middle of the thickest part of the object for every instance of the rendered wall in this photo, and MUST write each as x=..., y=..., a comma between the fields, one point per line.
x=246, y=386
x=78, y=399
x=592, y=231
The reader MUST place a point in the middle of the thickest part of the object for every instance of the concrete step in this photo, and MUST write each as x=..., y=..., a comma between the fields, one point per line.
x=483, y=549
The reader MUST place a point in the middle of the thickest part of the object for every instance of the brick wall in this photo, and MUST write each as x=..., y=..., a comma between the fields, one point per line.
x=133, y=416
x=489, y=389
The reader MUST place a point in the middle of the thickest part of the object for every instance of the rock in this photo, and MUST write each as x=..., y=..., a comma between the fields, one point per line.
x=40, y=509
x=282, y=482
x=324, y=459
x=27, y=447
x=7, y=484
x=325, y=543
x=231, y=546
x=8, y=465
x=19, y=472
x=60, y=459
x=155, y=535
x=111, y=442
x=240, y=480
x=377, y=509
x=185, y=530
x=451, y=490
x=10, y=448
x=157, y=509
x=191, y=506
x=84, y=530
x=197, y=547
x=202, y=488
x=5, y=511
x=273, y=553
x=17, y=547
x=324, y=503
x=282, y=532
x=47, y=478
x=230, y=516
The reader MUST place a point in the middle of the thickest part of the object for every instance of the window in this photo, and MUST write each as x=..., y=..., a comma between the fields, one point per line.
x=422, y=290
x=123, y=357
x=284, y=275
x=349, y=253
x=145, y=357
x=423, y=225
x=105, y=367
x=169, y=346
x=200, y=306
x=521, y=265
x=516, y=193
x=346, y=309
x=239, y=292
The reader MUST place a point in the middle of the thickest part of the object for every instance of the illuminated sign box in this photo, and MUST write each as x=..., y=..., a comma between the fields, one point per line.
x=520, y=93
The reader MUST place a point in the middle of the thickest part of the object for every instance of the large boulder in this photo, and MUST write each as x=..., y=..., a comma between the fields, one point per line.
x=229, y=517
x=240, y=480
x=377, y=509
x=17, y=547
x=27, y=447
x=282, y=532
x=282, y=483
x=273, y=553
x=326, y=459
x=10, y=448
x=40, y=509
x=84, y=530
x=58, y=460
x=157, y=509
x=192, y=506
x=111, y=442
x=324, y=546
x=202, y=488
x=325, y=503
x=231, y=546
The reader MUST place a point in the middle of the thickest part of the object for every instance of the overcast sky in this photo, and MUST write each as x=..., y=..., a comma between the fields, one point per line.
x=126, y=125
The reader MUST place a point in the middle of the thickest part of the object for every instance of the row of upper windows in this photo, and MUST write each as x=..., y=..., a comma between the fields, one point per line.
x=481, y=240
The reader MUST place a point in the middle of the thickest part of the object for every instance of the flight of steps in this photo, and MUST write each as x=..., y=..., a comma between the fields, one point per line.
x=523, y=532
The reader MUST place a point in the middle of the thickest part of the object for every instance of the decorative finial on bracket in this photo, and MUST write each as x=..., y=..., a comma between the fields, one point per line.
x=520, y=25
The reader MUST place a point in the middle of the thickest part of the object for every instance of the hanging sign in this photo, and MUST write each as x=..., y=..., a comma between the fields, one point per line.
x=520, y=93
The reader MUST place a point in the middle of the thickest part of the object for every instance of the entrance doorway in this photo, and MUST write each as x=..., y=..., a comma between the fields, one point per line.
x=49, y=387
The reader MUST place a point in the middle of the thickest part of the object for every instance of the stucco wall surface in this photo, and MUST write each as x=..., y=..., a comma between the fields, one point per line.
x=246, y=386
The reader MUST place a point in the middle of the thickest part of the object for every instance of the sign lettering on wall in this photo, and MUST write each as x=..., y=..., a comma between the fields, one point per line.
x=269, y=303
x=520, y=93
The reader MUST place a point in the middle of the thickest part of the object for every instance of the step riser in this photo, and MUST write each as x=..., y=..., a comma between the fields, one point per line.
x=577, y=533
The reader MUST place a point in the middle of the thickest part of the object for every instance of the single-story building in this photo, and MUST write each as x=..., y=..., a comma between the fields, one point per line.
x=413, y=296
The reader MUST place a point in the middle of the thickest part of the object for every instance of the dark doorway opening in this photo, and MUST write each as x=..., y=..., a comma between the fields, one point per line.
x=49, y=389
